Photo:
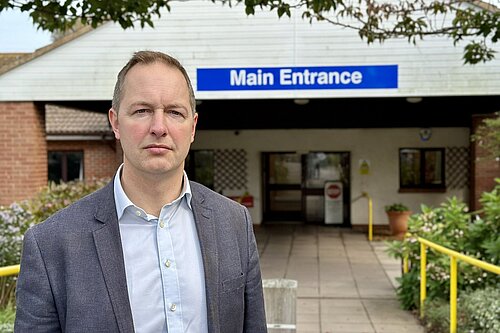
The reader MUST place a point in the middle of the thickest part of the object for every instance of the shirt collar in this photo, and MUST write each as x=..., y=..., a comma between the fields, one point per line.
x=122, y=201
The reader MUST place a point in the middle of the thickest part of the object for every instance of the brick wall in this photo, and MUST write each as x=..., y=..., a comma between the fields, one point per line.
x=23, y=151
x=484, y=171
x=100, y=158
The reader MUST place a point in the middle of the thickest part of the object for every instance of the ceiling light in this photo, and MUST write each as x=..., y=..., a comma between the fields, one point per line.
x=301, y=101
x=414, y=100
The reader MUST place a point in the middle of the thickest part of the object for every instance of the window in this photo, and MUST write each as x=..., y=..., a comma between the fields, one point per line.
x=200, y=167
x=421, y=168
x=65, y=166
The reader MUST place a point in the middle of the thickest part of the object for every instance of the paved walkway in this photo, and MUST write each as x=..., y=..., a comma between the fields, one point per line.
x=345, y=284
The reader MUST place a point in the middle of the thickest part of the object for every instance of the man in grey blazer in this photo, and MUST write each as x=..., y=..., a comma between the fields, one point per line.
x=151, y=251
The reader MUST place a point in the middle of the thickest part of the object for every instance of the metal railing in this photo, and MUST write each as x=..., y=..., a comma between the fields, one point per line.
x=454, y=256
x=9, y=270
x=370, y=215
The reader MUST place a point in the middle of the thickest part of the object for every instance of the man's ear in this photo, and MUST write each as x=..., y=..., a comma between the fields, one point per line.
x=113, y=120
x=195, y=121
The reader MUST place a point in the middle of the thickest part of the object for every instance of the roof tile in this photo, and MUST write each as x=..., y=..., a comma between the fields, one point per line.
x=61, y=120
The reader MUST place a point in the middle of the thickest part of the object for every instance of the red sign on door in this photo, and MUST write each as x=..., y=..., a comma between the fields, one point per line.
x=333, y=191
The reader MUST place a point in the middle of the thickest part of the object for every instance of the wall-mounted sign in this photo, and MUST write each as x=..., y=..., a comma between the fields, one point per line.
x=425, y=134
x=364, y=167
x=298, y=78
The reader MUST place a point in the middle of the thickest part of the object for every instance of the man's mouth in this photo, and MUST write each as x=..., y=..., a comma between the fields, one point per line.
x=157, y=148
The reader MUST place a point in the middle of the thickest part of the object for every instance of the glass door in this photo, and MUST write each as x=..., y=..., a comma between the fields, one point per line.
x=319, y=168
x=282, y=186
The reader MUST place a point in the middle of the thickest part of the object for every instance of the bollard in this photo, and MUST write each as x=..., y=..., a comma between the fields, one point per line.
x=280, y=298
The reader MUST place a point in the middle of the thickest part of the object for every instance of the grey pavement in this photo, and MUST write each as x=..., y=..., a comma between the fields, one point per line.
x=345, y=283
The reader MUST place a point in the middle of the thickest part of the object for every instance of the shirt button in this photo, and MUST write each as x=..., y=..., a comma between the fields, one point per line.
x=173, y=307
x=138, y=213
x=168, y=263
x=162, y=224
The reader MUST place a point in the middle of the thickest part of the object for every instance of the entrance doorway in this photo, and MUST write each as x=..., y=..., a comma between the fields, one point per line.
x=294, y=185
x=282, y=187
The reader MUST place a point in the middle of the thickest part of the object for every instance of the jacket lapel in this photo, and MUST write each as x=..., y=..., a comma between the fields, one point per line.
x=109, y=250
x=208, y=243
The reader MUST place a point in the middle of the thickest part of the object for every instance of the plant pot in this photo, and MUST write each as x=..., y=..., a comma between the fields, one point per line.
x=398, y=222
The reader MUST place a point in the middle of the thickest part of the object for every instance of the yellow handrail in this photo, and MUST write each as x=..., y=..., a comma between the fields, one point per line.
x=424, y=243
x=475, y=262
x=10, y=270
x=370, y=216
x=423, y=278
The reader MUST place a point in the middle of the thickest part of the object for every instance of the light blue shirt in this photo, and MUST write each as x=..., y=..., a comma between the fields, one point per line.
x=163, y=263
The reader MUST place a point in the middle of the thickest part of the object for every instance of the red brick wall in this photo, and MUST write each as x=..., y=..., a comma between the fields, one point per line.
x=23, y=151
x=484, y=171
x=100, y=158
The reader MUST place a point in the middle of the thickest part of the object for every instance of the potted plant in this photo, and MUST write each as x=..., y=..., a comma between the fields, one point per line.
x=398, y=218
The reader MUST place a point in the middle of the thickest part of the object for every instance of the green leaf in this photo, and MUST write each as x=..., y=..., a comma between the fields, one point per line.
x=249, y=10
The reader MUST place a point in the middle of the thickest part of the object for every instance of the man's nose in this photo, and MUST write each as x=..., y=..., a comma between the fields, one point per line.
x=159, y=124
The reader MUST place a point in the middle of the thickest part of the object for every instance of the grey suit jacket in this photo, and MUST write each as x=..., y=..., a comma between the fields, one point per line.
x=72, y=275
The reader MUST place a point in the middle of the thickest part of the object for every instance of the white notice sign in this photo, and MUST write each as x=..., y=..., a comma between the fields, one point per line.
x=334, y=195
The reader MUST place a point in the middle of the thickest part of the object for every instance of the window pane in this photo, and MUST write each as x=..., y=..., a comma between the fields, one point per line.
x=75, y=166
x=315, y=208
x=433, y=167
x=284, y=169
x=65, y=166
x=322, y=167
x=204, y=167
x=55, y=166
x=410, y=167
x=286, y=200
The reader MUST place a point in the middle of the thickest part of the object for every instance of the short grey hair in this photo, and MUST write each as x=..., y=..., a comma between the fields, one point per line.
x=146, y=58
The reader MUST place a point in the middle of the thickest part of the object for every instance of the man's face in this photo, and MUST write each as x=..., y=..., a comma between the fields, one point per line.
x=154, y=123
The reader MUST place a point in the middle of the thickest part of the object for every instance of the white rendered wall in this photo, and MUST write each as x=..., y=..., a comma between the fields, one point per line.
x=379, y=146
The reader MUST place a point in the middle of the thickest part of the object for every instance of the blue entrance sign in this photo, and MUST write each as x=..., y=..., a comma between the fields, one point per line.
x=298, y=78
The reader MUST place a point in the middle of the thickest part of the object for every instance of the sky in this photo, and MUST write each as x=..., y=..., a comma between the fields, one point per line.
x=18, y=34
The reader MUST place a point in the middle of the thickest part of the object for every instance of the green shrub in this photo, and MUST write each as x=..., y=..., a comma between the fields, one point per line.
x=437, y=316
x=477, y=311
x=14, y=221
x=18, y=217
x=54, y=197
x=481, y=310
x=452, y=226
x=7, y=317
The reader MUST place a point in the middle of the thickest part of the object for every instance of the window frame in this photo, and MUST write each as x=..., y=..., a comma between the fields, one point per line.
x=423, y=187
x=64, y=165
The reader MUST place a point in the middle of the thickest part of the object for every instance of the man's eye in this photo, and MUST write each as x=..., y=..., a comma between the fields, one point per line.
x=176, y=113
x=141, y=111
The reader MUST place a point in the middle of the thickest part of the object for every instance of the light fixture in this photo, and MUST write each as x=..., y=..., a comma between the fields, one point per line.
x=301, y=101
x=414, y=99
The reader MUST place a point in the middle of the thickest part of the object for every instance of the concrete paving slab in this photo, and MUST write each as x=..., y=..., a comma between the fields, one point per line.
x=399, y=328
x=347, y=328
x=345, y=283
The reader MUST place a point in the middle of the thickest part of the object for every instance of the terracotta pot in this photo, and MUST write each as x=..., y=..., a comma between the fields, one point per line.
x=398, y=222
